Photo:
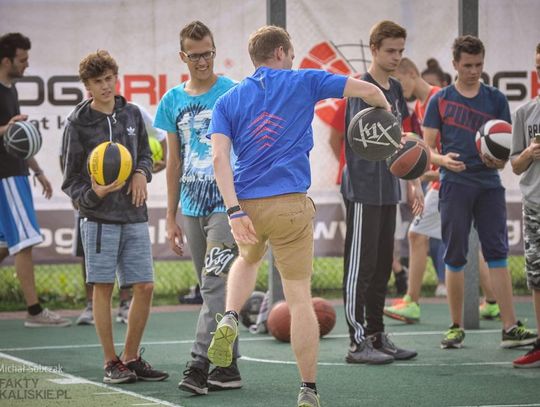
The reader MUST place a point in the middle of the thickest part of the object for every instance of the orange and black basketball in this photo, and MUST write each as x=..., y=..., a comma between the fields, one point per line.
x=412, y=161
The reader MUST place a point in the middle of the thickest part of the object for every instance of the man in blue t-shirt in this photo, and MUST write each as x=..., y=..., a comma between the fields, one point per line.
x=471, y=189
x=184, y=113
x=267, y=121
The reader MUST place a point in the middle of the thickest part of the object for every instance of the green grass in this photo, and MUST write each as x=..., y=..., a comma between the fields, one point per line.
x=61, y=285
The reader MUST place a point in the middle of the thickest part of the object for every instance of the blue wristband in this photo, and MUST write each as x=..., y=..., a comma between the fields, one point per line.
x=238, y=215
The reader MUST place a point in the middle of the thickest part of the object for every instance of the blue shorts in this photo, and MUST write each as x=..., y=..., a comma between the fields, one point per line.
x=19, y=228
x=462, y=205
x=113, y=250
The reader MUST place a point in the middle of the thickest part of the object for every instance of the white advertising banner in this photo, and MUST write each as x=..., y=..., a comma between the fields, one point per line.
x=143, y=36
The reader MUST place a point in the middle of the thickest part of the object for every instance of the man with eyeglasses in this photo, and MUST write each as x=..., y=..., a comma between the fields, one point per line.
x=184, y=113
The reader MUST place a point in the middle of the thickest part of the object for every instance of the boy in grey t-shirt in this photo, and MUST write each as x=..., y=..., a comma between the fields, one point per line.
x=525, y=158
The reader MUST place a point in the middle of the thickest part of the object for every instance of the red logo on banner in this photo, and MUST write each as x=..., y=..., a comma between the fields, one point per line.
x=330, y=57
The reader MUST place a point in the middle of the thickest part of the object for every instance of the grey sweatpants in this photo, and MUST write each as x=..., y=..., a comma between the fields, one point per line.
x=213, y=250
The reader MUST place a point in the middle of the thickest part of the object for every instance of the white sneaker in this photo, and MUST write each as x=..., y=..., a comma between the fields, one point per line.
x=440, y=291
x=87, y=316
x=46, y=318
x=123, y=311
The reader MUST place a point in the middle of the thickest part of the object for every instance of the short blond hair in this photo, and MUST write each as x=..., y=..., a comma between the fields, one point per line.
x=264, y=41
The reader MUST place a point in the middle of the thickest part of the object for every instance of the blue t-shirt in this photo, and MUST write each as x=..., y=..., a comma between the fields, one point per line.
x=458, y=118
x=268, y=118
x=189, y=116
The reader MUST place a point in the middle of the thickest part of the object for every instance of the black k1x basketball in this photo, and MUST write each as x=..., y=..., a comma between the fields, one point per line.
x=374, y=134
x=22, y=139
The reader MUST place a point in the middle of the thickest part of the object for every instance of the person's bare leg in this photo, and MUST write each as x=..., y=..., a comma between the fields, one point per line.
x=102, y=318
x=240, y=283
x=24, y=266
x=137, y=318
x=4, y=252
x=502, y=286
x=304, y=327
x=418, y=250
x=485, y=279
x=455, y=286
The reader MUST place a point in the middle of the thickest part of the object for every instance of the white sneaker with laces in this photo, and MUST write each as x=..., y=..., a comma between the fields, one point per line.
x=46, y=318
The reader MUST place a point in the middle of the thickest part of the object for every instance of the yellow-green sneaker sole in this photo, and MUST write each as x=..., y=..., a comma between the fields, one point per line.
x=220, y=351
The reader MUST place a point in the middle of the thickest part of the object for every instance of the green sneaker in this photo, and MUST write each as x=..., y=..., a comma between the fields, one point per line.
x=518, y=336
x=220, y=351
x=453, y=338
x=489, y=311
x=405, y=310
x=308, y=398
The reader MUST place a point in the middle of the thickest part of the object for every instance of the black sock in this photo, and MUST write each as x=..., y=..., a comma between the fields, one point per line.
x=454, y=326
x=491, y=302
x=35, y=309
x=233, y=313
x=312, y=386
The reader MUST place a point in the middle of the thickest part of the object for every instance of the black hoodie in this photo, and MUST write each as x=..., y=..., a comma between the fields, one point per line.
x=85, y=129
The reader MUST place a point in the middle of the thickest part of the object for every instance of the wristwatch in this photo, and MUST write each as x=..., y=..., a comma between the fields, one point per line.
x=233, y=209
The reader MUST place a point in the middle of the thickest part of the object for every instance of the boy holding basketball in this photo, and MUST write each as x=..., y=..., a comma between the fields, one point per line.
x=184, y=113
x=525, y=159
x=471, y=188
x=114, y=219
x=267, y=119
x=19, y=230
x=371, y=194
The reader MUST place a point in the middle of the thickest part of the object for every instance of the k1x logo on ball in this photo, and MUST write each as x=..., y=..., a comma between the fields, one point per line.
x=375, y=133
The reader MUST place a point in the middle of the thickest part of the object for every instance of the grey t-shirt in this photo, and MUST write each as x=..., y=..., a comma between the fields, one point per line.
x=525, y=124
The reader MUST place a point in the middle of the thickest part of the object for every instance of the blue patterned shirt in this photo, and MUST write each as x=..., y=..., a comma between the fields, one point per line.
x=189, y=117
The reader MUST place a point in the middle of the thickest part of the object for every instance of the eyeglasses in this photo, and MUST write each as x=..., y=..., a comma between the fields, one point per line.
x=196, y=57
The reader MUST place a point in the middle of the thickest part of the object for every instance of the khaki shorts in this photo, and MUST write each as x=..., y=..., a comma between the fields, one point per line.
x=286, y=222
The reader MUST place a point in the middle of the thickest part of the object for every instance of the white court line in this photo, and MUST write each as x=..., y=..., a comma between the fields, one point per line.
x=399, y=364
x=115, y=390
x=242, y=339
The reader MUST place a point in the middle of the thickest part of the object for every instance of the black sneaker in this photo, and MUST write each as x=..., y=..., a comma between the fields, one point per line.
x=225, y=378
x=518, y=336
x=117, y=372
x=383, y=344
x=144, y=370
x=195, y=380
x=193, y=297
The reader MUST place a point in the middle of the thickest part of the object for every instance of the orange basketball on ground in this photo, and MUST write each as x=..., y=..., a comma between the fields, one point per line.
x=279, y=319
x=326, y=315
x=279, y=322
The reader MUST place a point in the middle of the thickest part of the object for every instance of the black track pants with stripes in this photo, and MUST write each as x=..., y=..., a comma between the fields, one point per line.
x=369, y=248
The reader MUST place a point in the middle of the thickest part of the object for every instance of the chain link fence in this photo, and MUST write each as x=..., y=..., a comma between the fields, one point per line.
x=62, y=284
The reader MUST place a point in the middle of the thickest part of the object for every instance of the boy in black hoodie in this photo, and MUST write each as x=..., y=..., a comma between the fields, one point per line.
x=114, y=219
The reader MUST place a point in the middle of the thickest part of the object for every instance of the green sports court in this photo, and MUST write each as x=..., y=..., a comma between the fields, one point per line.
x=480, y=374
